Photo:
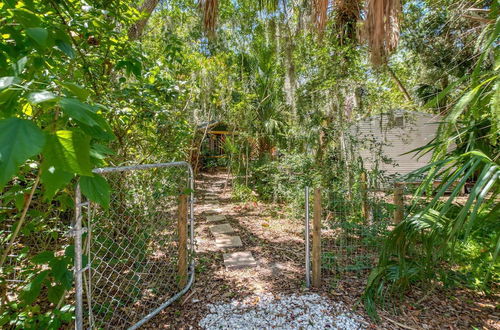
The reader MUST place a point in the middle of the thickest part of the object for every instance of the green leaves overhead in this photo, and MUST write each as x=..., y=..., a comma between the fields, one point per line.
x=19, y=140
x=96, y=189
x=90, y=122
x=26, y=17
x=76, y=90
x=79, y=111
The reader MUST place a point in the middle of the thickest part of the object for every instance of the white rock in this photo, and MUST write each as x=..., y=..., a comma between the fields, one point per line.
x=264, y=311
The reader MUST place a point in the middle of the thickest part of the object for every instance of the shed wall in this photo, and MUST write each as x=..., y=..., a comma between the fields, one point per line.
x=382, y=140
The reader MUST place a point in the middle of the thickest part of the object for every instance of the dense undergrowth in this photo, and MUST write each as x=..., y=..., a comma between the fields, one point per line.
x=86, y=84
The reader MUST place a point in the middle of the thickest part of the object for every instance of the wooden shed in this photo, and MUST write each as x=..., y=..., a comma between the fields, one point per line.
x=383, y=140
x=209, y=143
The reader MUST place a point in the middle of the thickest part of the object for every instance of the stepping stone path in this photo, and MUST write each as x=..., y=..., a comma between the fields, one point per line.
x=217, y=217
x=239, y=260
x=223, y=239
x=221, y=229
x=226, y=241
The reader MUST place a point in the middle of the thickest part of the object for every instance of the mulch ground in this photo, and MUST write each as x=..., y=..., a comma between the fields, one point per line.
x=277, y=244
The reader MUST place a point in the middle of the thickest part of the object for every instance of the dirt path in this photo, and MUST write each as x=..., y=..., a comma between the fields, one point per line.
x=277, y=244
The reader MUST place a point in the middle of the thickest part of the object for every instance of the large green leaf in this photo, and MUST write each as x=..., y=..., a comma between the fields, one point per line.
x=31, y=291
x=76, y=90
x=61, y=273
x=66, y=48
x=19, y=140
x=65, y=153
x=69, y=151
x=80, y=111
x=40, y=35
x=43, y=257
x=55, y=293
x=96, y=189
x=26, y=18
x=53, y=180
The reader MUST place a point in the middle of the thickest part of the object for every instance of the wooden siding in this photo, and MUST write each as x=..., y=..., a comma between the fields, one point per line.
x=383, y=140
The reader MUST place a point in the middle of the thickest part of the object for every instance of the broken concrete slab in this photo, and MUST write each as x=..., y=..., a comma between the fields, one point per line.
x=237, y=260
x=226, y=241
x=221, y=229
x=216, y=217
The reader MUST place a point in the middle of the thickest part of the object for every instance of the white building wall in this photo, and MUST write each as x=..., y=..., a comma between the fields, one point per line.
x=383, y=140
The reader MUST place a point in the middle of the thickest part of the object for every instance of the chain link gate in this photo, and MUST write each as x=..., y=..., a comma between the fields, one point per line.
x=133, y=259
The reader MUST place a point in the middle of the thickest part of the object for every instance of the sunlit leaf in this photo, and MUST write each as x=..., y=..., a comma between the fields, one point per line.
x=40, y=97
x=8, y=81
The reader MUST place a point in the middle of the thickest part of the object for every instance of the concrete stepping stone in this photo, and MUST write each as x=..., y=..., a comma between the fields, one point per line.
x=216, y=217
x=221, y=229
x=226, y=241
x=237, y=260
x=213, y=211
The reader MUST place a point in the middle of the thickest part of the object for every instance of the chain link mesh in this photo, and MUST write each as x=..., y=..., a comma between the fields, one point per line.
x=354, y=223
x=132, y=247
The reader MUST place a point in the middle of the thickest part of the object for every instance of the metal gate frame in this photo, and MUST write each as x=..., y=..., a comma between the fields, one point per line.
x=78, y=231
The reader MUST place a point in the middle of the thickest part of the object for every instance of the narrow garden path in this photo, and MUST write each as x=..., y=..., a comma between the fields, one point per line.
x=250, y=269
x=250, y=275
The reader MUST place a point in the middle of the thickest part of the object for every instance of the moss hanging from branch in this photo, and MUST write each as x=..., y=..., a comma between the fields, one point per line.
x=319, y=14
x=209, y=11
x=382, y=28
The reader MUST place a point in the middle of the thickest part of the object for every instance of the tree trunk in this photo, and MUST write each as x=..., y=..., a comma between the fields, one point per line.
x=146, y=9
x=400, y=84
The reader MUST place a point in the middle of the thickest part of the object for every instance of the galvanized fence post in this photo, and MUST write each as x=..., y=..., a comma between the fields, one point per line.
x=308, y=261
x=182, y=250
x=77, y=232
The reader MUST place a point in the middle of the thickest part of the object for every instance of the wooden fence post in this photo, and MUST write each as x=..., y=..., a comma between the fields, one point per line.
x=316, y=240
x=399, y=203
x=364, y=196
x=182, y=229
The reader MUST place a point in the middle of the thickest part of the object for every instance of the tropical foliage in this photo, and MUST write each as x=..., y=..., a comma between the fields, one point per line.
x=86, y=84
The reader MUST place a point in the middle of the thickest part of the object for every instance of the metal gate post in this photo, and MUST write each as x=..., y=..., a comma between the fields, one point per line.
x=77, y=232
x=308, y=262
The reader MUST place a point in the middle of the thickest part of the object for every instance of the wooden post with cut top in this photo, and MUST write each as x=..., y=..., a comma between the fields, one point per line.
x=182, y=230
x=316, y=240
x=399, y=203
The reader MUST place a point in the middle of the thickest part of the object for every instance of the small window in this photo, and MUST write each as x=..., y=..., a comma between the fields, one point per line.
x=399, y=121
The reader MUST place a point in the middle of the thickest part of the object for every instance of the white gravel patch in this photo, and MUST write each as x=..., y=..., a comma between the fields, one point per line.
x=310, y=311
